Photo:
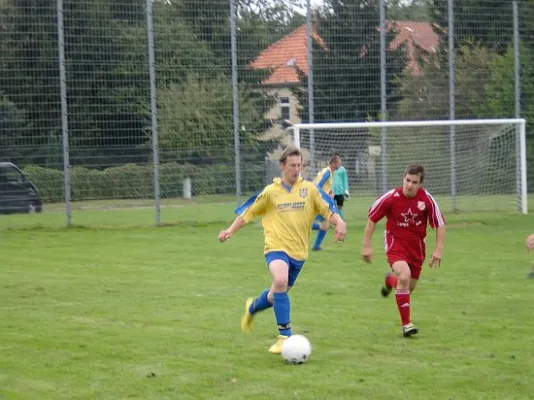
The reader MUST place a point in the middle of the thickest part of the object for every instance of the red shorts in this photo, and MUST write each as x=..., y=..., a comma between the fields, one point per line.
x=413, y=252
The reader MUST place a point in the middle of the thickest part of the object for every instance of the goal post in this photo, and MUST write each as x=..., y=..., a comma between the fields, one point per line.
x=472, y=165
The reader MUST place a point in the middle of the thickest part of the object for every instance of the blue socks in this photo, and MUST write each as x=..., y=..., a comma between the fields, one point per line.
x=319, y=239
x=281, y=312
x=260, y=303
x=316, y=226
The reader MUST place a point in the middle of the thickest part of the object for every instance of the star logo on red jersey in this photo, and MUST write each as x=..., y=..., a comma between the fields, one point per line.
x=409, y=216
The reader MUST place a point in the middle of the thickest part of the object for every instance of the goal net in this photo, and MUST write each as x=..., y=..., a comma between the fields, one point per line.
x=471, y=165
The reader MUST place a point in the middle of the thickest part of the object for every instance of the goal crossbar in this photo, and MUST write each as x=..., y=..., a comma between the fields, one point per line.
x=394, y=124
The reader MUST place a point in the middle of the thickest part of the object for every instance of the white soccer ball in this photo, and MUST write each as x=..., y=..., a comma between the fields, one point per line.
x=296, y=349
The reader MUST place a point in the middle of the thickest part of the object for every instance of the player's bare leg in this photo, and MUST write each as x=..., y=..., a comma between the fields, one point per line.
x=390, y=283
x=278, y=294
x=402, y=296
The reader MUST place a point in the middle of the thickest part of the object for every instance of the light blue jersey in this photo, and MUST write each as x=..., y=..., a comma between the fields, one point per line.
x=341, y=181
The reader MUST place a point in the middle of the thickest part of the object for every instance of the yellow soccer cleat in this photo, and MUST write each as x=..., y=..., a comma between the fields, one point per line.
x=276, y=348
x=247, y=318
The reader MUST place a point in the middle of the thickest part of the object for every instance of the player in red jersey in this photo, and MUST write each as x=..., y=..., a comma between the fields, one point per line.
x=407, y=209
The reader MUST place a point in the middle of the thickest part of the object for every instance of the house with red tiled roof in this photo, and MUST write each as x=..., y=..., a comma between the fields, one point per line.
x=284, y=56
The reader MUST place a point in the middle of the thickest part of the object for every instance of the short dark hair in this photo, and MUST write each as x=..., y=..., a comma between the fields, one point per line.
x=415, y=169
x=288, y=152
x=334, y=158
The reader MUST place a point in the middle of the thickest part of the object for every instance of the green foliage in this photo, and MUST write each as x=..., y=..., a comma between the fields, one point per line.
x=498, y=100
x=106, y=52
x=347, y=63
x=426, y=95
x=112, y=55
x=178, y=51
x=13, y=128
x=407, y=10
x=30, y=74
x=196, y=119
x=50, y=182
x=488, y=21
x=133, y=181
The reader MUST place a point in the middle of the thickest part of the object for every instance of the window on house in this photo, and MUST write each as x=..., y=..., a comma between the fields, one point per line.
x=285, y=108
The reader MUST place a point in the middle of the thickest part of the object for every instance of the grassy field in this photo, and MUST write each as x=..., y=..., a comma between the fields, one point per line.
x=132, y=311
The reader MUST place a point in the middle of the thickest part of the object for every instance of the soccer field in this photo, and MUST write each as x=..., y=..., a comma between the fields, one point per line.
x=128, y=312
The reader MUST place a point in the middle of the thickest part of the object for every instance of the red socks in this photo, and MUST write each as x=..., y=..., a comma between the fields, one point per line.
x=403, y=304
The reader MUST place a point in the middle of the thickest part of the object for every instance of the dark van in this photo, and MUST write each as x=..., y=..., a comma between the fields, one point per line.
x=17, y=192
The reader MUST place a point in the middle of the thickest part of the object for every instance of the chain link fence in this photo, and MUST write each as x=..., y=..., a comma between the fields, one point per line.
x=153, y=107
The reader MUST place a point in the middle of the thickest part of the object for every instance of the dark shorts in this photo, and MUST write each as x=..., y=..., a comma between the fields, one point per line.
x=294, y=265
x=339, y=199
x=413, y=252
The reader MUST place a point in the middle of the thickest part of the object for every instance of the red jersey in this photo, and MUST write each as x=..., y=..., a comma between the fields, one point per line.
x=407, y=217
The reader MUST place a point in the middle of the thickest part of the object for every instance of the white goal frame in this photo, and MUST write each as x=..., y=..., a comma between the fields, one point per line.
x=521, y=164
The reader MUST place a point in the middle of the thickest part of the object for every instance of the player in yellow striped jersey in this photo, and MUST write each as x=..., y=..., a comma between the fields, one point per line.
x=288, y=207
x=324, y=181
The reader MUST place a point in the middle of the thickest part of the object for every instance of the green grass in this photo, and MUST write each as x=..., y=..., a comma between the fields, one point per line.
x=132, y=311
x=204, y=209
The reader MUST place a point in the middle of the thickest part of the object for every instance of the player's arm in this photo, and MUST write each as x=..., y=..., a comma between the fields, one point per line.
x=324, y=179
x=252, y=208
x=367, y=249
x=377, y=211
x=437, y=222
x=440, y=240
x=325, y=206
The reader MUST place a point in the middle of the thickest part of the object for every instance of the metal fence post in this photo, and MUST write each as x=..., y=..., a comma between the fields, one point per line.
x=153, y=105
x=64, y=110
x=311, y=104
x=383, y=95
x=235, y=100
x=517, y=94
x=452, y=108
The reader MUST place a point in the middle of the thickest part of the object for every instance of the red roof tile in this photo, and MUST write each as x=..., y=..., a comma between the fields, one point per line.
x=290, y=52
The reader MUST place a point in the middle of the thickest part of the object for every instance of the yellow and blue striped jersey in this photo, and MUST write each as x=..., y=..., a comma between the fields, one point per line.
x=324, y=180
x=287, y=215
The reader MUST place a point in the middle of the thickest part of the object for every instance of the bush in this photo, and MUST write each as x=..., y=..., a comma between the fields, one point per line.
x=133, y=181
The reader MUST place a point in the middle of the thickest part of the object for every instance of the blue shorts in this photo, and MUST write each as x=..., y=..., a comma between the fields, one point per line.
x=294, y=265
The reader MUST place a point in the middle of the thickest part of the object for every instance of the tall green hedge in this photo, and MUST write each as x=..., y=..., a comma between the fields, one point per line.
x=134, y=181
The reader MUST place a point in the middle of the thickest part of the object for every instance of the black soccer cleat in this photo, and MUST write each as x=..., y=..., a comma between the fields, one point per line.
x=385, y=291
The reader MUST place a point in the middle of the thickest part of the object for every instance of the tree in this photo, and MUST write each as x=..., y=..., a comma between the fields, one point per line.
x=196, y=124
x=209, y=20
x=499, y=99
x=475, y=20
x=346, y=63
x=426, y=95
x=414, y=10
x=258, y=29
x=14, y=129
x=30, y=73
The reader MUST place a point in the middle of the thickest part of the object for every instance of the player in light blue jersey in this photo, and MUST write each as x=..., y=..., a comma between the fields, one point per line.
x=341, y=188
x=287, y=207
x=324, y=182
